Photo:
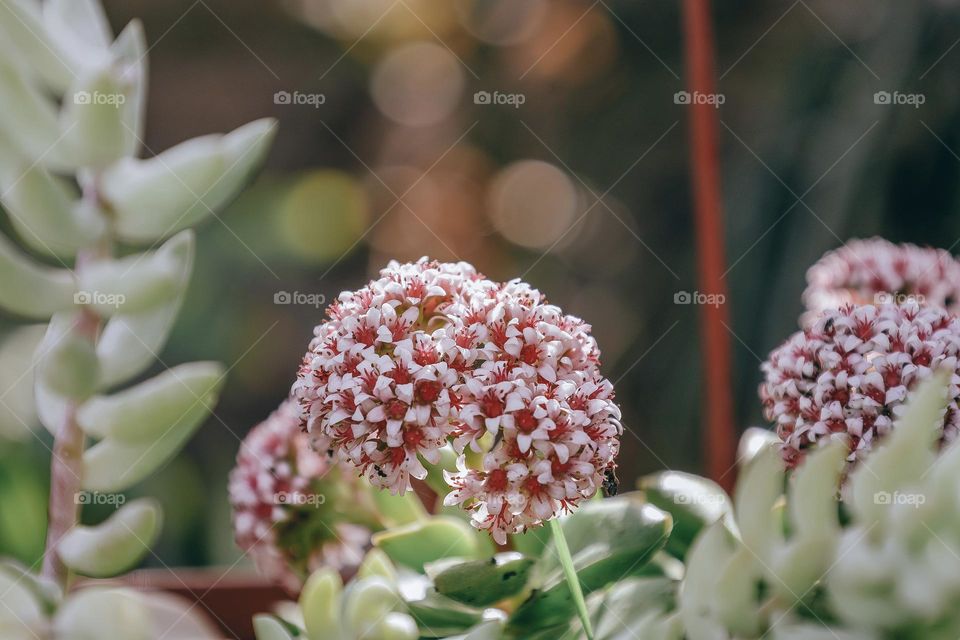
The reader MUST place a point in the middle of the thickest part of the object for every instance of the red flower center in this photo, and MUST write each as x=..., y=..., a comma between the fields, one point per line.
x=497, y=480
x=428, y=391
x=396, y=410
x=525, y=421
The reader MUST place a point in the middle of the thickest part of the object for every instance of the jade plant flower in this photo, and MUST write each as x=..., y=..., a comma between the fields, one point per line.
x=433, y=353
x=877, y=271
x=295, y=510
x=849, y=374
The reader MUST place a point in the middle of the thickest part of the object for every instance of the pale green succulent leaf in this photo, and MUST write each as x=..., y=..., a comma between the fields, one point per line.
x=145, y=411
x=813, y=504
x=92, y=118
x=320, y=604
x=79, y=27
x=759, y=488
x=130, y=54
x=22, y=27
x=94, y=613
x=376, y=563
x=114, y=546
x=18, y=413
x=904, y=456
x=710, y=552
x=176, y=189
x=267, y=627
x=47, y=215
x=736, y=593
x=31, y=289
x=138, y=282
x=365, y=603
x=66, y=362
x=398, y=510
x=753, y=441
x=114, y=464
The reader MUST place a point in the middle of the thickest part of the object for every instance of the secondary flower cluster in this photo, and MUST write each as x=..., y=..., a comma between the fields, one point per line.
x=850, y=372
x=876, y=271
x=293, y=509
x=431, y=353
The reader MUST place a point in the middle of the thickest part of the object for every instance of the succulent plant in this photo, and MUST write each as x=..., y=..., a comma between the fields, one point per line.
x=77, y=193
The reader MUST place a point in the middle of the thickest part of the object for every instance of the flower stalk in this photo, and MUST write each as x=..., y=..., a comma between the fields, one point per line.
x=570, y=573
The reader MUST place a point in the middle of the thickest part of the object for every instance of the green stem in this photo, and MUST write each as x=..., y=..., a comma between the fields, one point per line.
x=570, y=573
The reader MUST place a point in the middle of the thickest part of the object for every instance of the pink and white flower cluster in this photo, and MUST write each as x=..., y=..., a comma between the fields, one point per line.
x=876, y=271
x=849, y=374
x=292, y=506
x=433, y=353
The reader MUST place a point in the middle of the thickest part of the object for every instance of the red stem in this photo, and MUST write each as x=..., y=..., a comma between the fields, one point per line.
x=719, y=444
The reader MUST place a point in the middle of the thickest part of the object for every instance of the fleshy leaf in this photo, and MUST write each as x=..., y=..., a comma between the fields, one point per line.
x=758, y=489
x=694, y=503
x=103, y=612
x=320, y=602
x=418, y=543
x=481, y=583
x=138, y=282
x=608, y=540
x=268, y=627
x=113, y=464
x=115, y=545
x=156, y=197
x=31, y=289
x=143, y=412
x=904, y=455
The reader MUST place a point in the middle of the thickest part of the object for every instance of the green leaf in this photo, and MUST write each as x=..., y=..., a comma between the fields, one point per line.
x=608, y=539
x=103, y=612
x=692, y=501
x=138, y=282
x=176, y=189
x=440, y=616
x=419, y=543
x=31, y=289
x=637, y=608
x=710, y=552
x=320, y=602
x=814, y=509
x=18, y=414
x=113, y=464
x=66, y=362
x=759, y=488
x=92, y=118
x=904, y=455
x=144, y=412
x=21, y=25
x=481, y=583
x=115, y=545
x=399, y=510
x=267, y=627
x=46, y=212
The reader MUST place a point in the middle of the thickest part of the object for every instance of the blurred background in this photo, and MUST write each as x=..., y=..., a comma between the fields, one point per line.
x=540, y=139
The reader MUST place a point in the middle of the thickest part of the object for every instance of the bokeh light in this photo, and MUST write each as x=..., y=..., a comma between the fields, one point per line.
x=532, y=203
